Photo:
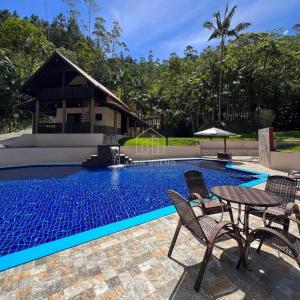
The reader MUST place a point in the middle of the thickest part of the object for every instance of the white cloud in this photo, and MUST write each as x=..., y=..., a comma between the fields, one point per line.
x=167, y=26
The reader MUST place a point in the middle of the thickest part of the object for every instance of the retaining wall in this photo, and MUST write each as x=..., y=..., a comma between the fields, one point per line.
x=39, y=155
x=233, y=147
x=57, y=140
x=285, y=161
x=143, y=153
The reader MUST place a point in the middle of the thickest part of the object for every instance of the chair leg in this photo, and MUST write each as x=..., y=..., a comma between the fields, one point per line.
x=174, y=238
x=286, y=225
x=259, y=246
x=204, y=263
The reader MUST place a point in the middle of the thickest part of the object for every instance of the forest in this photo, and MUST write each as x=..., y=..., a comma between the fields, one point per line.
x=249, y=81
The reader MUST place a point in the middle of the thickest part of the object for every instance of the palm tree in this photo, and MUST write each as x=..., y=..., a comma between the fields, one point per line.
x=222, y=30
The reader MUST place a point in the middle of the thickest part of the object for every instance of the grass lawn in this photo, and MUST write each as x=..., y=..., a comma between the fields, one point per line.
x=289, y=136
x=295, y=148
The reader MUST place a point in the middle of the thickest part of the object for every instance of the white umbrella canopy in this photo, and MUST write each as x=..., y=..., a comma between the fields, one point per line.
x=211, y=132
x=214, y=131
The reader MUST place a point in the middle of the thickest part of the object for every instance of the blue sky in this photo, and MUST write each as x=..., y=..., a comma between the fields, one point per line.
x=167, y=26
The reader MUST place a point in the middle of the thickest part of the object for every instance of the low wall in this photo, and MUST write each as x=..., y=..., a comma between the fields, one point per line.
x=38, y=155
x=57, y=140
x=141, y=153
x=233, y=147
x=285, y=161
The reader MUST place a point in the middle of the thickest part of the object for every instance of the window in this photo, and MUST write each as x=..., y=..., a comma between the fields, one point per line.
x=73, y=118
x=98, y=117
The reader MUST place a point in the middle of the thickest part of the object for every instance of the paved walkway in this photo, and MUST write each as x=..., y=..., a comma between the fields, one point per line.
x=133, y=264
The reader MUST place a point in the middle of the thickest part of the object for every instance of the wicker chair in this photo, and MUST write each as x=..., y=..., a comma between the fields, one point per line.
x=283, y=187
x=198, y=191
x=204, y=228
x=277, y=237
x=295, y=174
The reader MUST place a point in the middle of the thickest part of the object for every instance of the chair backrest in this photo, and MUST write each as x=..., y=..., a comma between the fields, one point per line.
x=195, y=183
x=283, y=187
x=186, y=214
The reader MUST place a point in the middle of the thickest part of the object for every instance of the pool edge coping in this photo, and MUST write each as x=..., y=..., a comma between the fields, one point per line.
x=27, y=255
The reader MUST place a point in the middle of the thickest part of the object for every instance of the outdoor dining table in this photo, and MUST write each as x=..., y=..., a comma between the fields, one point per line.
x=244, y=196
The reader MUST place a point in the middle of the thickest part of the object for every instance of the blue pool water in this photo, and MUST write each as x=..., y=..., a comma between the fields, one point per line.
x=41, y=204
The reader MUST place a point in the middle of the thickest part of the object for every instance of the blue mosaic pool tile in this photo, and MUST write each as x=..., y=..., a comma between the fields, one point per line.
x=43, y=204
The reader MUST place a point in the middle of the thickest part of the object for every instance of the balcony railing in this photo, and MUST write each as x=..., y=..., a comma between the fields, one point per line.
x=67, y=93
x=77, y=127
x=69, y=127
x=50, y=128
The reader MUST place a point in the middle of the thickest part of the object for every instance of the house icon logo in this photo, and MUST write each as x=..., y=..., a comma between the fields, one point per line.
x=150, y=142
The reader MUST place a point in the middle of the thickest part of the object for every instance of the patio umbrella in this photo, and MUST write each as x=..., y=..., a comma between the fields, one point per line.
x=213, y=132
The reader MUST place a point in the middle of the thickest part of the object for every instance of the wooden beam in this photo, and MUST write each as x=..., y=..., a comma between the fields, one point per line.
x=63, y=116
x=33, y=122
x=115, y=122
x=37, y=115
x=127, y=125
x=63, y=111
x=92, y=115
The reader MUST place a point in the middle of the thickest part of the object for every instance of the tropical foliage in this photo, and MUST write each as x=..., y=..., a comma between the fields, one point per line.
x=260, y=72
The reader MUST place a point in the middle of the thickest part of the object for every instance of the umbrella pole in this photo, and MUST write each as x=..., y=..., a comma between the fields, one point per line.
x=224, y=144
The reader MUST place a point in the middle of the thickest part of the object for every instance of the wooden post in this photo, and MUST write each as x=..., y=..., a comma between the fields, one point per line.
x=225, y=144
x=127, y=126
x=33, y=122
x=63, y=115
x=37, y=115
x=63, y=106
x=115, y=122
x=92, y=115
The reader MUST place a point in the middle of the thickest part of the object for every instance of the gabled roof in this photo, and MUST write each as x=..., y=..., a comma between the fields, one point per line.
x=112, y=97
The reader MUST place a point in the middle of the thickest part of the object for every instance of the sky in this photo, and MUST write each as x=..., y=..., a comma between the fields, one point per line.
x=167, y=26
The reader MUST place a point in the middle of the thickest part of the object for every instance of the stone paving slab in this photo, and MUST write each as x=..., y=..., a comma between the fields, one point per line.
x=133, y=264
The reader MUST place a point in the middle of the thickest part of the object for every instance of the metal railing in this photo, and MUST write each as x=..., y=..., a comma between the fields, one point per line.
x=67, y=93
x=69, y=127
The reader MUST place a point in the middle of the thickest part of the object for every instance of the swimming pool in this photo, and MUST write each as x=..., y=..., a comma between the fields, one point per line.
x=63, y=206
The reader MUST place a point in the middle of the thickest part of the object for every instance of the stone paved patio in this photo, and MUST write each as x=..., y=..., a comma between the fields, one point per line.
x=133, y=264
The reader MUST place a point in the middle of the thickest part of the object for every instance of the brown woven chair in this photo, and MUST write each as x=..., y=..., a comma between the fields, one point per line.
x=284, y=188
x=198, y=191
x=295, y=174
x=204, y=228
x=277, y=237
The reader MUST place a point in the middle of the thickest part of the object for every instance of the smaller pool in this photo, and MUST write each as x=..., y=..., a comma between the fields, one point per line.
x=44, y=209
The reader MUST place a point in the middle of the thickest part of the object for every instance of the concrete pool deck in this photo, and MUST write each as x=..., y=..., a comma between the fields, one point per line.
x=132, y=264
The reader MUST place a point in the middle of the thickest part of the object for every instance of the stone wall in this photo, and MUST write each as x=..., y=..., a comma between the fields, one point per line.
x=265, y=145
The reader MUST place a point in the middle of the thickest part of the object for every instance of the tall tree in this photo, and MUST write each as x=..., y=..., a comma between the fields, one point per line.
x=73, y=11
x=222, y=30
x=92, y=8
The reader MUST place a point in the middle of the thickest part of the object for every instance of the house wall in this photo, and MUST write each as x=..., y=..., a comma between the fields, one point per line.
x=107, y=115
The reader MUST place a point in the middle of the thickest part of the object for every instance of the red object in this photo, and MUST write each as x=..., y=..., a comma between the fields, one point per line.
x=271, y=138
